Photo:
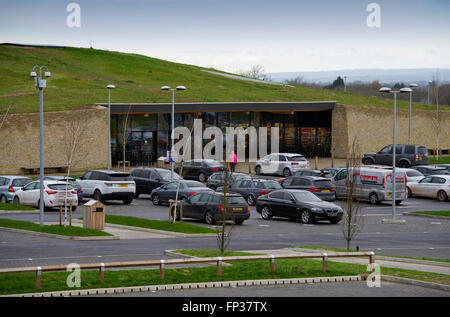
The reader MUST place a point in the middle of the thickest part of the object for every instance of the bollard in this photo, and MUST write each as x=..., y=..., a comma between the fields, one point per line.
x=372, y=261
x=325, y=262
x=70, y=215
x=161, y=270
x=272, y=263
x=102, y=272
x=38, y=276
x=60, y=215
x=219, y=266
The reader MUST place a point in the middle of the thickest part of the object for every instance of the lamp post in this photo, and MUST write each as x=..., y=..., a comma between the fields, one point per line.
x=108, y=146
x=394, y=150
x=345, y=83
x=410, y=111
x=41, y=83
x=428, y=90
x=173, y=122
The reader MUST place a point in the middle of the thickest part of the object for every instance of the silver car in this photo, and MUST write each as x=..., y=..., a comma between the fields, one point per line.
x=285, y=164
x=433, y=186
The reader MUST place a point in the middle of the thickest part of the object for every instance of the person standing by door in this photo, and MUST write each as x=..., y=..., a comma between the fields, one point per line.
x=233, y=161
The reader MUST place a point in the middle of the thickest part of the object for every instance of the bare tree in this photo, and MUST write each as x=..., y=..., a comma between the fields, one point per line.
x=224, y=235
x=352, y=219
x=436, y=120
x=125, y=137
x=256, y=72
x=5, y=115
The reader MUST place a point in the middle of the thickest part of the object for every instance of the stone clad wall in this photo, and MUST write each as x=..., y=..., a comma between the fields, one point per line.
x=19, y=140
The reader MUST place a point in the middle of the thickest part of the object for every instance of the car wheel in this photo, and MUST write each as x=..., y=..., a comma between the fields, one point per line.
x=333, y=222
x=136, y=195
x=239, y=222
x=404, y=164
x=97, y=195
x=258, y=170
x=306, y=217
x=127, y=201
x=373, y=198
x=201, y=177
x=409, y=192
x=250, y=200
x=209, y=218
x=368, y=161
x=74, y=208
x=16, y=200
x=265, y=212
x=286, y=172
x=155, y=199
x=398, y=202
x=442, y=196
x=3, y=199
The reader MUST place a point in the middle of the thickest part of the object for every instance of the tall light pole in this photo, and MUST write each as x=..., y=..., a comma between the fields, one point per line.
x=410, y=111
x=41, y=83
x=173, y=122
x=394, y=150
x=345, y=83
x=428, y=90
x=108, y=146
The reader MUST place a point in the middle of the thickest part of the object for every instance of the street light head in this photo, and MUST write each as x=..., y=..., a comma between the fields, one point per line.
x=413, y=85
x=406, y=90
x=110, y=86
x=385, y=89
x=47, y=74
x=181, y=88
x=165, y=88
x=33, y=74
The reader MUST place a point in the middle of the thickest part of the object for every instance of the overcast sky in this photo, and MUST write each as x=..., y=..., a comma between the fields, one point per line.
x=232, y=35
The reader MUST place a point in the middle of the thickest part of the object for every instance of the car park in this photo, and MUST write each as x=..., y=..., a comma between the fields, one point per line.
x=431, y=170
x=284, y=164
x=406, y=156
x=298, y=205
x=9, y=184
x=148, y=178
x=319, y=186
x=218, y=179
x=71, y=181
x=433, y=186
x=55, y=194
x=372, y=184
x=105, y=185
x=199, y=169
x=185, y=188
x=210, y=208
x=252, y=188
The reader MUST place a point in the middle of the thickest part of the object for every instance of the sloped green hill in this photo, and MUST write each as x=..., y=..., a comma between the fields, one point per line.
x=80, y=75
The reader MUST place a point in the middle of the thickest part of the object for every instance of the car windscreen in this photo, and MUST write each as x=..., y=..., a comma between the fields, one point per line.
x=234, y=200
x=270, y=185
x=194, y=184
x=166, y=175
x=59, y=187
x=120, y=177
x=422, y=150
x=20, y=182
x=323, y=184
x=305, y=196
x=413, y=173
x=297, y=158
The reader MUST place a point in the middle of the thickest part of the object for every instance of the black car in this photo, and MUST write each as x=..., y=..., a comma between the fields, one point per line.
x=169, y=191
x=218, y=179
x=147, y=179
x=431, y=170
x=405, y=156
x=319, y=186
x=298, y=205
x=199, y=169
x=209, y=207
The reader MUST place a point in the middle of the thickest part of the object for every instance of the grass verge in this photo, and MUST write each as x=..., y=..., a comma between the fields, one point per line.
x=8, y=206
x=53, y=229
x=207, y=253
x=157, y=224
x=442, y=213
x=441, y=160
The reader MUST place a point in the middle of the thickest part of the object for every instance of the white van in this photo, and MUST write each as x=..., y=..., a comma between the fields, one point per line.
x=372, y=184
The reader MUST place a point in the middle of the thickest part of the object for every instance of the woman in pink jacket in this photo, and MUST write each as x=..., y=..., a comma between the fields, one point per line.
x=233, y=161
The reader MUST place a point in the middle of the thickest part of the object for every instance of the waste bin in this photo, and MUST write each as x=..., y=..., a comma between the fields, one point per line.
x=94, y=215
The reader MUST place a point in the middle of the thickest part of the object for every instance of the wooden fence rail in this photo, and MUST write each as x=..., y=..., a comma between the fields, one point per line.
x=101, y=267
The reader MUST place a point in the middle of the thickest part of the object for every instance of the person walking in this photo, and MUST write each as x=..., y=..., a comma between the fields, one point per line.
x=233, y=161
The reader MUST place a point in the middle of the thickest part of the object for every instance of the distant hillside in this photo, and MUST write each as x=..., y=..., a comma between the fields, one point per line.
x=80, y=75
x=388, y=76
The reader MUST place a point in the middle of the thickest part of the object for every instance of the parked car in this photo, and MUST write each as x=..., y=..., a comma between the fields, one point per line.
x=319, y=186
x=431, y=170
x=105, y=185
x=406, y=156
x=185, y=188
x=252, y=188
x=148, y=178
x=199, y=169
x=446, y=166
x=55, y=194
x=298, y=205
x=209, y=207
x=9, y=184
x=308, y=172
x=373, y=184
x=412, y=174
x=284, y=164
x=435, y=186
x=72, y=182
x=331, y=171
x=218, y=179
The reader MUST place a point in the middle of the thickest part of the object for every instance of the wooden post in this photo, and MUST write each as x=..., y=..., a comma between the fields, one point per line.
x=60, y=215
x=325, y=262
x=70, y=215
x=102, y=272
x=272, y=263
x=38, y=277
x=161, y=270
x=181, y=211
x=315, y=162
x=170, y=210
x=219, y=266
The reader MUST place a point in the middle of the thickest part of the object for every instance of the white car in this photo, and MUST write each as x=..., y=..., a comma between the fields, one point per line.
x=285, y=164
x=105, y=185
x=54, y=194
x=433, y=186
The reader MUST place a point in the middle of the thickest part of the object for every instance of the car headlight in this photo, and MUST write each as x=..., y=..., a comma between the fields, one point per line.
x=317, y=209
